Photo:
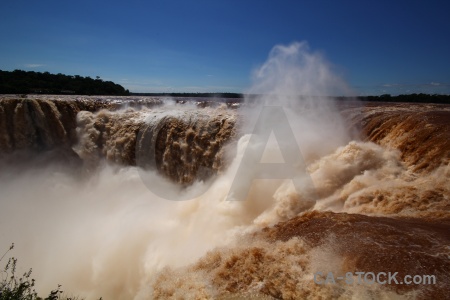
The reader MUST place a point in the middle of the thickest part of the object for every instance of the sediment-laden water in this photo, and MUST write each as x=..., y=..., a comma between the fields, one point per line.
x=135, y=198
x=382, y=204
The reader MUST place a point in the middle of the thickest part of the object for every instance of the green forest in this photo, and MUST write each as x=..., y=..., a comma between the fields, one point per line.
x=413, y=98
x=23, y=82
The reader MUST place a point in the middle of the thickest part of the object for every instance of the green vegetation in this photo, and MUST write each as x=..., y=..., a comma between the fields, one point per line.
x=15, y=287
x=413, y=98
x=22, y=82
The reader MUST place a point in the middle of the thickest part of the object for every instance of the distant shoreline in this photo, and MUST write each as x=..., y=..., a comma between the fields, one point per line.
x=413, y=98
x=238, y=98
x=22, y=83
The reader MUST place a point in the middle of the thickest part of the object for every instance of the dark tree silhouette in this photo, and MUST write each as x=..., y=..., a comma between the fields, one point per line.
x=22, y=82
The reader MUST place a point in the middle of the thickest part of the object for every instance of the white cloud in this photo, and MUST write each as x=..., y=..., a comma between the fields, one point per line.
x=390, y=84
x=33, y=65
x=147, y=88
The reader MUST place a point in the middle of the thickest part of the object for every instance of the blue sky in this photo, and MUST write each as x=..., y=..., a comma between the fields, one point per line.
x=213, y=46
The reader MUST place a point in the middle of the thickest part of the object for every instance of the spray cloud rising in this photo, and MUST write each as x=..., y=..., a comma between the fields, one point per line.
x=111, y=229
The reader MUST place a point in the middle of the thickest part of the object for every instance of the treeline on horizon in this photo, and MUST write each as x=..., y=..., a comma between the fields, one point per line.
x=414, y=98
x=30, y=82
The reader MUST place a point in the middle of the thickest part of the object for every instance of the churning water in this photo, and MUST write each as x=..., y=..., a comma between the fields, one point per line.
x=141, y=198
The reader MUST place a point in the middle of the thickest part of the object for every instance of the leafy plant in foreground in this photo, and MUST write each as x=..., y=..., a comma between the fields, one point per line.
x=15, y=287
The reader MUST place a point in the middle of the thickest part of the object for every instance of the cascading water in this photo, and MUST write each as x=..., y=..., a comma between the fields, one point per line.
x=98, y=215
